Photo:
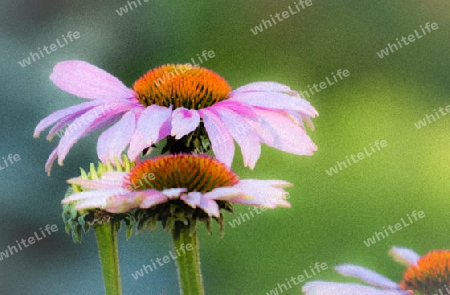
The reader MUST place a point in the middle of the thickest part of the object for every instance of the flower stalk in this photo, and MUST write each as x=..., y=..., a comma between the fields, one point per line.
x=188, y=263
x=106, y=235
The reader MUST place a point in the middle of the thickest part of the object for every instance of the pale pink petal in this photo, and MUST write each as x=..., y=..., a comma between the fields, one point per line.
x=85, y=80
x=366, y=275
x=243, y=133
x=210, y=207
x=151, y=121
x=192, y=198
x=137, y=145
x=113, y=141
x=93, y=194
x=221, y=141
x=184, y=121
x=81, y=126
x=120, y=203
x=108, y=180
x=404, y=255
x=264, y=86
x=50, y=160
x=222, y=193
x=173, y=193
x=331, y=288
x=153, y=197
x=280, y=132
x=260, y=193
x=274, y=100
x=61, y=114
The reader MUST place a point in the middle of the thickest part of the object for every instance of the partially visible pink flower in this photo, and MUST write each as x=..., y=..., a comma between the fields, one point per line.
x=174, y=100
x=199, y=181
x=379, y=285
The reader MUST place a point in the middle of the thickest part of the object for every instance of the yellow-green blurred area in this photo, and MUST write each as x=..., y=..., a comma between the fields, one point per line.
x=330, y=217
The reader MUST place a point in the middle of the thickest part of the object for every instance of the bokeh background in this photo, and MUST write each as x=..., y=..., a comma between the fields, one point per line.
x=331, y=216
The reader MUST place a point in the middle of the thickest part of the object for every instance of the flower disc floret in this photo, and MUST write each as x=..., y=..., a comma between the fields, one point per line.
x=194, y=173
x=430, y=274
x=181, y=85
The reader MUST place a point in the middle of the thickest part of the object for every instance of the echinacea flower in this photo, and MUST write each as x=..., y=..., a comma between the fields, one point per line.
x=174, y=101
x=195, y=185
x=427, y=275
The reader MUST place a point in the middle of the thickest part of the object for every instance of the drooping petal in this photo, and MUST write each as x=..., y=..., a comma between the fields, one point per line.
x=184, y=121
x=366, y=275
x=275, y=100
x=85, y=80
x=278, y=131
x=331, y=288
x=222, y=193
x=93, y=194
x=153, y=197
x=61, y=114
x=210, y=207
x=137, y=145
x=120, y=203
x=221, y=141
x=82, y=125
x=243, y=133
x=404, y=255
x=151, y=121
x=192, y=198
x=51, y=159
x=113, y=141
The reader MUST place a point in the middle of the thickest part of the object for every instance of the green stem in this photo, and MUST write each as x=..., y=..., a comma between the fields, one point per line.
x=109, y=257
x=188, y=260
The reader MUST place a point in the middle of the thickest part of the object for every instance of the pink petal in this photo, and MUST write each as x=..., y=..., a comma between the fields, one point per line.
x=331, y=288
x=93, y=194
x=366, y=275
x=240, y=108
x=222, y=193
x=280, y=132
x=109, y=180
x=64, y=113
x=210, y=207
x=113, y=141
x=192, y=199
x=184, y=121
x=85, y=80
x=243, y=133
x=221, y=141
x=404, y=255
x=260, y=193
x=82, y=125
x=274, y=100
x=151, y=121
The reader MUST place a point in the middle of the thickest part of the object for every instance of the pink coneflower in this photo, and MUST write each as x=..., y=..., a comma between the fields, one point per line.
x=427, y=275
x=195, y=182
x=175, y=101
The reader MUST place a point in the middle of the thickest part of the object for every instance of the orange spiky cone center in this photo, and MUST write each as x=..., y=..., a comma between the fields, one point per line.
x=193, y=172
x=181, y=85
x=430, y=274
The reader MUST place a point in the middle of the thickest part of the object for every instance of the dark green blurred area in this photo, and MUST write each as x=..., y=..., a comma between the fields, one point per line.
x=330, y=217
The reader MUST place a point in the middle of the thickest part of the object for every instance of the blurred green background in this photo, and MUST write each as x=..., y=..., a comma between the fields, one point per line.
x=331, y=216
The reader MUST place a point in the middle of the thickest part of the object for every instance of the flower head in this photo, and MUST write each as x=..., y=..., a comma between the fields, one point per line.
x=174, y=101
x=173, y=188
x=427, y=275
